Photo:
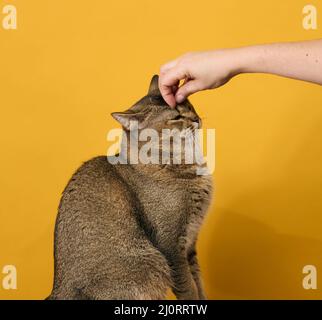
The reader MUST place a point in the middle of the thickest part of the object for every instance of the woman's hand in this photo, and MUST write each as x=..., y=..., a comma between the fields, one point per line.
x=199, y=70
x=212, y=69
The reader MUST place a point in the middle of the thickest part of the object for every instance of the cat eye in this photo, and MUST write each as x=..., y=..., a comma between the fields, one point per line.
x=178, y=117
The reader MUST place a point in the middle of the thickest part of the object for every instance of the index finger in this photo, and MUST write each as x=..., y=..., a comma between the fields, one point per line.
x=167, y=81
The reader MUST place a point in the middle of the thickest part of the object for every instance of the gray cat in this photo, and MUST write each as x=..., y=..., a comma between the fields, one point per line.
x=129, y=231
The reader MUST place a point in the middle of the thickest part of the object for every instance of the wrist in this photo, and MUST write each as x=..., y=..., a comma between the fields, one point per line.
x=250, y=59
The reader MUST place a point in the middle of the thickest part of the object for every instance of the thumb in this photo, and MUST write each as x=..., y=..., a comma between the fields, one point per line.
x=187, y=89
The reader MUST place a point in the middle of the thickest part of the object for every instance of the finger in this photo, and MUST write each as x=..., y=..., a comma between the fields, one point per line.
x=166, y=83
x=174, y=89
x=167, y=93
x=186, y=90
x=169, y=65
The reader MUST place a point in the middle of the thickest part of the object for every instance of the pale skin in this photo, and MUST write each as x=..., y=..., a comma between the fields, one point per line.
x=212, y=69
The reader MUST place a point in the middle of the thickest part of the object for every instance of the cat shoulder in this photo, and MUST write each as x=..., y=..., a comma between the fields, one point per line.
x=96, y=174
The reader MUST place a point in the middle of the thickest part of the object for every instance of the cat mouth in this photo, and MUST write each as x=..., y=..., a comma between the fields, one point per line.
x=196, y=124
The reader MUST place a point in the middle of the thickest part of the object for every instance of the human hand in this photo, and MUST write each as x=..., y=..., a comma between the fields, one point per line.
x=199, y=71
x=212, y=69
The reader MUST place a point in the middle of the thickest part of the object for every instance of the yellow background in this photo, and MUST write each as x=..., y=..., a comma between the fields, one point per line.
x=70, y=63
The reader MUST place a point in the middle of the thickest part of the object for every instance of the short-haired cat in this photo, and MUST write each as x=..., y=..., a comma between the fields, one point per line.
x=129, y=231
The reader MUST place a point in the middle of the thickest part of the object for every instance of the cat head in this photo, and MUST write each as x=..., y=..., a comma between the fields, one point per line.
x=153, y=112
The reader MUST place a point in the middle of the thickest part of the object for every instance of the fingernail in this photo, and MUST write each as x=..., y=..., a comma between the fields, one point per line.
x=179, y=98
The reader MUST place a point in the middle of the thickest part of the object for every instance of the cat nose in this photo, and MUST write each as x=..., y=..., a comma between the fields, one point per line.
x=194, y=118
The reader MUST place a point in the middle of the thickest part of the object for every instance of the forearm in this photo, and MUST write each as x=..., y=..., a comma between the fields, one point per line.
x=212, y=69
x=184, y=286
x=195, y=271
x=298, y=60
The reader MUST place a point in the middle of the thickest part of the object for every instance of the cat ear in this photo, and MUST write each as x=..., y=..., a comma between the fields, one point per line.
x=154, y=86
x=126, y=119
